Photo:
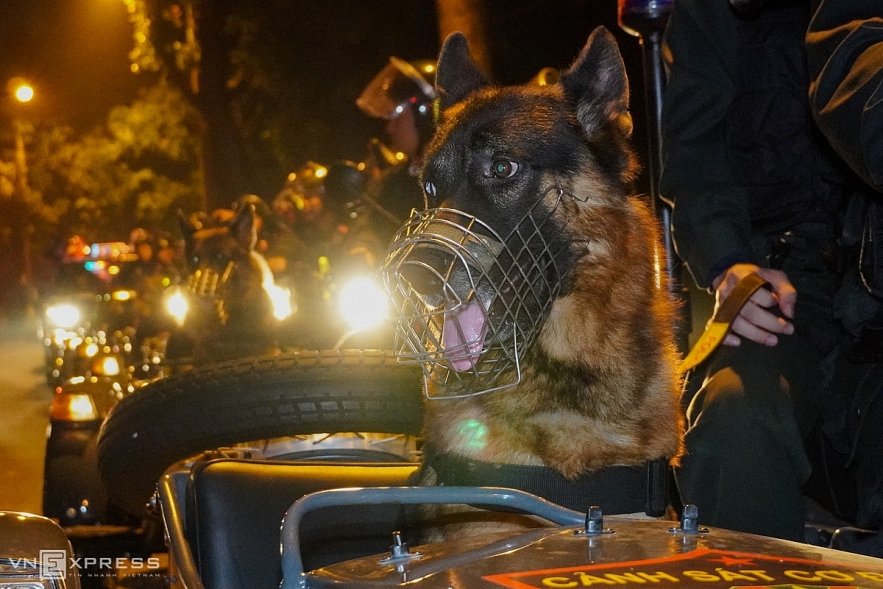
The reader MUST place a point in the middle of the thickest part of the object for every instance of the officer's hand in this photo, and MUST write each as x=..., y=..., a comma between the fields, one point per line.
x=756, y=321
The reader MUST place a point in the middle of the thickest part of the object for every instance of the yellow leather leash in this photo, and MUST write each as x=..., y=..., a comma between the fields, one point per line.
x=721, y=322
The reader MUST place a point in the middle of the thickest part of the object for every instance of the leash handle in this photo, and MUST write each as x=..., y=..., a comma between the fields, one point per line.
x=721, y=322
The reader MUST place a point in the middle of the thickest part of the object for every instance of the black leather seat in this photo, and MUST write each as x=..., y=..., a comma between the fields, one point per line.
x=234, y=509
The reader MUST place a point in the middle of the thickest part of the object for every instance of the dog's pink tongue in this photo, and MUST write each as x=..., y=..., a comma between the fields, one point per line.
x=464, y=329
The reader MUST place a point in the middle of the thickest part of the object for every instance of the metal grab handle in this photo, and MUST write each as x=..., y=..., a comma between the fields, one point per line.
x=179, y=548
x=293, y=575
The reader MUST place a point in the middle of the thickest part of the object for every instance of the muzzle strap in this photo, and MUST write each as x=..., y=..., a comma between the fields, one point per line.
x=616, y=489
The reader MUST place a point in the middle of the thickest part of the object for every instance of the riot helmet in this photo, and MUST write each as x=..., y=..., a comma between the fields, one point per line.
x=402, y=86
x=260, y=205
x=397, y=86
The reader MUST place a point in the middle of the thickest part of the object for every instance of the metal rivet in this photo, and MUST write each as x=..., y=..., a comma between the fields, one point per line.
x=594, y=523
x=689, y=521
x=399, y=550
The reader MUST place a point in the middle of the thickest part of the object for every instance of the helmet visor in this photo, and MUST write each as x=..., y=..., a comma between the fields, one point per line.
x=392, y=88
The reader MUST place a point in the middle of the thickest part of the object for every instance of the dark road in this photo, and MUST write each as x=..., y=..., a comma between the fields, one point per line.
x=24, y=415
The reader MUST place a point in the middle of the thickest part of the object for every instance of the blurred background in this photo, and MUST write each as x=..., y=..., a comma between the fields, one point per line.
x=117, y=114
x=140, y=109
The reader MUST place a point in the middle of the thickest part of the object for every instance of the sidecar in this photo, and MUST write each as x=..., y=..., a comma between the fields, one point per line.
x=240, y=523
x=250, y=481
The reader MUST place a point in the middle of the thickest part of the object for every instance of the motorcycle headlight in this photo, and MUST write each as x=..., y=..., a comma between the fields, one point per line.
x=87, y=350
x=64, y=316
x=73, y=407
x=122, y=295
x=176, y=305
x=63, y=337
x=106, y=366
x=363, y=303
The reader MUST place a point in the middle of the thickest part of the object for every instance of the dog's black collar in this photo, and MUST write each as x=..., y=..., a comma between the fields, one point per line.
x=616, y=489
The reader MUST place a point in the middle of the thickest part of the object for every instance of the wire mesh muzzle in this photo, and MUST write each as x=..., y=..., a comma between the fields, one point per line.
x=468, y=302
x=207, y=287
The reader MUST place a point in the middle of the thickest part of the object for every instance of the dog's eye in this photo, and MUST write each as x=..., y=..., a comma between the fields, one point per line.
x=504, y=168
x=429, y=187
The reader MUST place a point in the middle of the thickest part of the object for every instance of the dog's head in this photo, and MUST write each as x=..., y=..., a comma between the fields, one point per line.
x=214, y=248
x=475, y=274
x=217, y=242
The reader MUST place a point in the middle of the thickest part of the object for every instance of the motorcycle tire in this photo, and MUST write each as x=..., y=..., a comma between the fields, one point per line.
x=255, y=398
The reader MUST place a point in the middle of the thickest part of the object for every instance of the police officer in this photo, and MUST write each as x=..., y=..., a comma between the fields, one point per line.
x=756, y=190
x=403, y=95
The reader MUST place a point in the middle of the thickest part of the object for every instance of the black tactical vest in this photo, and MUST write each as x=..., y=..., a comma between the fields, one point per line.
x=779, y=155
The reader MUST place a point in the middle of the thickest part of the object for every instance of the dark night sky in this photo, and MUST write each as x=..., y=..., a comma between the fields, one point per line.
x=75, y=52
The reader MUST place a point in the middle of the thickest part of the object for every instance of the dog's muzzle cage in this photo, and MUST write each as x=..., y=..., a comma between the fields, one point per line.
x=207, y=285
x=468, y=301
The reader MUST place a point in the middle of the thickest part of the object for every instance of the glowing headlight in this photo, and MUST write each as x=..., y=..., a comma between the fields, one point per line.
x=73, y=407
x=65, y=316
x=363, y=303
x=280, y=298
x=106, y=366
x=176, y=305
x=122, y=295
x=61, y=337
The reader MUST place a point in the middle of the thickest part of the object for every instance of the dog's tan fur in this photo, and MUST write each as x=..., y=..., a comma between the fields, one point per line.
x=617, y=324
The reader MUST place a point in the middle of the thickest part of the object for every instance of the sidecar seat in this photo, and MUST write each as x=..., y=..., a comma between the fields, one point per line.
x=234, y=510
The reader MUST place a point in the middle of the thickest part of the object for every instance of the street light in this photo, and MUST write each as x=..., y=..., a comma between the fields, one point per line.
x=20, y=88
x=24, y=93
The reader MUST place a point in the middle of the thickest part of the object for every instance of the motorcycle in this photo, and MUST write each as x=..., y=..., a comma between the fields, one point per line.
x=305, y=285
x=94, y=359
x=72, y=490
x=34, y=552
x=245, y=439
x=339, y=306
x=235, y=517
x=326, y=309
x=96, y=306
x=569, y=549
x=258, y=524
x=77, y=326
x=339, y=303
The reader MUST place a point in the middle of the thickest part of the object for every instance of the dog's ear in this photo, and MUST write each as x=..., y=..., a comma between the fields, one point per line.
x=243, y=227
x=598, y=86
x=457, y=75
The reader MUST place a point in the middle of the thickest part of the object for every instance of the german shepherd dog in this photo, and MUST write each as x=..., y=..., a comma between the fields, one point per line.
x=530, y=292
x=230, y=313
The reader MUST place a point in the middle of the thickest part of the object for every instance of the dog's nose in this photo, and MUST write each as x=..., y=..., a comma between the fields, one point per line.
x=424, y=280
x=424, y=269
